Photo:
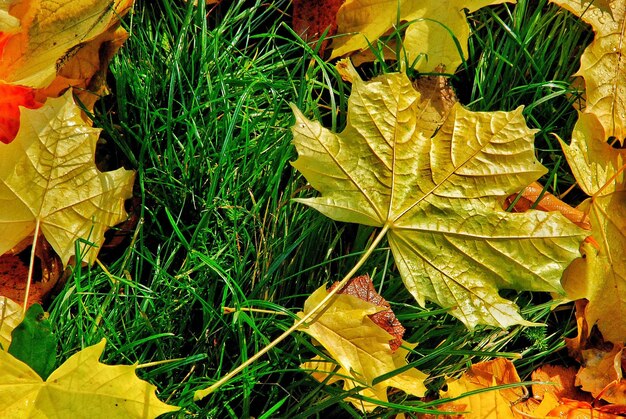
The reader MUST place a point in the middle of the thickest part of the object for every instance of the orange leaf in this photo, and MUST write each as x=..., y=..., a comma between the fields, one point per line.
x=548, y=202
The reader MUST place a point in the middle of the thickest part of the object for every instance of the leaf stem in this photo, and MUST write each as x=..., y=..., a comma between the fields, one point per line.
x=319, y=309
x=31, y=265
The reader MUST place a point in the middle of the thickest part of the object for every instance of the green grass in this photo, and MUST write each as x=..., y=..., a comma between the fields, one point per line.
x=199, y=107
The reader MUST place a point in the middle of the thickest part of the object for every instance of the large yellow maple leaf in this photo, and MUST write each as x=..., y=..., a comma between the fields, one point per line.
x=360, y=347
x=434, y=25
x=439, y=198
x=80, y=388
x=51, y=32
x=602, y=63
x=49, y=182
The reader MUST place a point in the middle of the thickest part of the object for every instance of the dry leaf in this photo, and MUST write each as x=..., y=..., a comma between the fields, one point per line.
x=360, y=347
x=601, y=374
x=601, y=64
x=48, y=177
x=14, y=272
x=11, y=314
x=80, y=388
x=440, y=197
x=600, y=274
x=494, y=404
x=548, y=202
x=86, y=69
x=563, y=383
x=50, y=33
x=311, y=18
x=427, y=40
x=363, y=288
x=595, y=164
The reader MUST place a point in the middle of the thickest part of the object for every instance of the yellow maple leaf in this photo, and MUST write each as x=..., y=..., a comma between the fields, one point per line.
x=433, y=25
x=80, y=388
x=49, y=182
x=360, y=347
x=595, y=164
x=439, y=198
x=600, y=275
x=492, y=404
x=50, y=33
x=601, y=64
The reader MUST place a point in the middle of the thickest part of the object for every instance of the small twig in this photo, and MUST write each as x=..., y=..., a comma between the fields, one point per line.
x=230, y=310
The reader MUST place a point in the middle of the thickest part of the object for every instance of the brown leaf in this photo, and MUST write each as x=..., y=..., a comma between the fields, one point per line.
x=312, y=17
x=14, y=272
x=363, y=288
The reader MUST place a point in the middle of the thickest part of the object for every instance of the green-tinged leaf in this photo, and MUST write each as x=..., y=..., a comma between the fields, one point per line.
x=440, y=197
x=34, y=343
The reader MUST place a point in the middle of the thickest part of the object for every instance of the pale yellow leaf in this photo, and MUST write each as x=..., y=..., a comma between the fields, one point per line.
x=11, y=314
x=595, y=164
x=360, y=347
x=440, y=197
x=80, y=388
x=600, y=276
x=602, y=63
x=48, y=175
x=429, y=39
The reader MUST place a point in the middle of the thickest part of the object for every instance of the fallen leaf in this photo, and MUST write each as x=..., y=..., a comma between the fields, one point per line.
x=50, y=33
x=601, y=64
x=600, y=274
x=360, y=348
x=48, y=178
x=11, y=98
x=85, y=70
x=429, y=41
x=595, y=164
x=529, y=199
x=311, y=18
x=363, y=288
x=562, y=383
x=494, y=403
x=11, y=314
x=80, y=388
x=14, y=271
x=601, y=374
x=439, y=197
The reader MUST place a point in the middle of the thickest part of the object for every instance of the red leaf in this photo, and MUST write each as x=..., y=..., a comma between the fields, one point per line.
x=11, y=98
x=363, y=288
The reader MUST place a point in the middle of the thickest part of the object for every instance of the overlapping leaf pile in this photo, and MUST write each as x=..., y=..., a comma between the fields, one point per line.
x=439, y=195
x=54, y=57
